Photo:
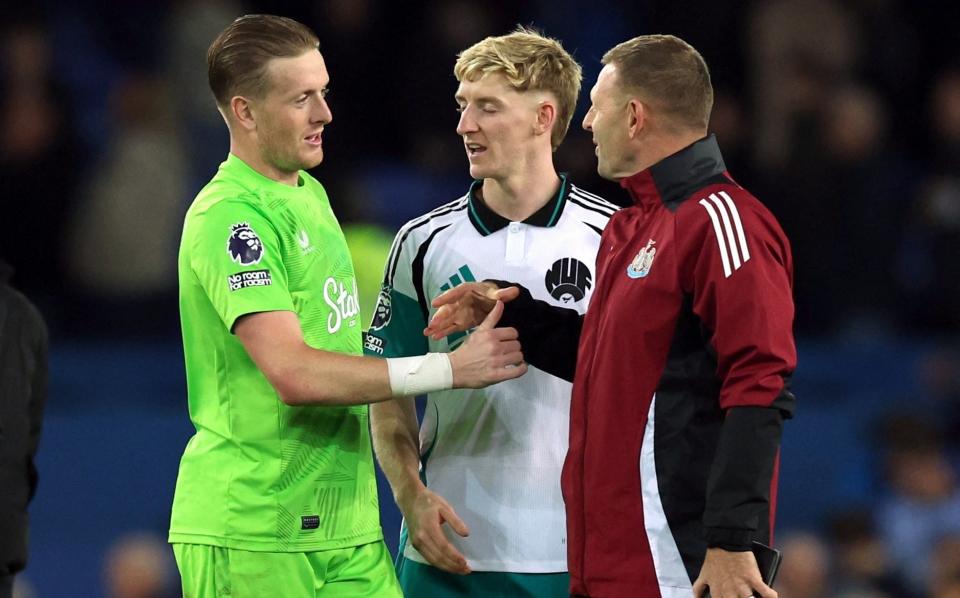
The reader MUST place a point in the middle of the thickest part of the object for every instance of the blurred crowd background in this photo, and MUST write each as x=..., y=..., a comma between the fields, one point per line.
x=843, y=116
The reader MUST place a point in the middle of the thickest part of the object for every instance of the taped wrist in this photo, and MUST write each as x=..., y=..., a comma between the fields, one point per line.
x=411, y=376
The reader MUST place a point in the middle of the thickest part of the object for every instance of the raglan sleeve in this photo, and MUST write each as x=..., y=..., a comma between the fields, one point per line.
x=739, y=268
x=549, y=335
x=237, y=257
x=399, y=317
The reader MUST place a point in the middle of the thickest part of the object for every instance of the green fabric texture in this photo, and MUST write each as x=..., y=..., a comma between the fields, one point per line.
x=259, y=474
x=356, y=572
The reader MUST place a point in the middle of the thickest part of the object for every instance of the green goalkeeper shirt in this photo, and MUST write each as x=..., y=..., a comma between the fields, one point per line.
x=259, y=474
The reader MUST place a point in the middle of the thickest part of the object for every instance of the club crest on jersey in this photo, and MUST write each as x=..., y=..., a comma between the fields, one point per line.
x=640, y=266
x=244, y=246
x=384, y=309
x=568, y=280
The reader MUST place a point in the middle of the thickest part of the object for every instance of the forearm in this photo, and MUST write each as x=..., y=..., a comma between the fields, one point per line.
x=549, y=334
x=303, y=375
x=396, y=444
x=314, y=377
x=741, y=478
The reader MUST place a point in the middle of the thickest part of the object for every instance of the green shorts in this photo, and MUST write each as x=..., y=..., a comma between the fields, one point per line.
x=423, y=581
x=359, y=571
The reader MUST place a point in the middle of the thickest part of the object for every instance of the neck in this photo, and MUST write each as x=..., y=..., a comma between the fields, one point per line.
x=518, y=196
x=663, y=146
x=248, y=151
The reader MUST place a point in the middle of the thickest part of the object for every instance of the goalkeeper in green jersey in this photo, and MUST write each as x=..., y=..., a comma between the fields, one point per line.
x=276, y=494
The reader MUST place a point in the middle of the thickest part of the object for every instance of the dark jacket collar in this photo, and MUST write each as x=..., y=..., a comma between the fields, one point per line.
x=674, y=178
x=487, y=222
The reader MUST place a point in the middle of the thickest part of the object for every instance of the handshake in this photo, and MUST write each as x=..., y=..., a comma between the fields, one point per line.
x=490, y=354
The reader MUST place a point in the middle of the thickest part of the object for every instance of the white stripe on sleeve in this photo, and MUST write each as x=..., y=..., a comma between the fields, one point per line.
x=736, y=220
x=727, y=228
x=723, y=245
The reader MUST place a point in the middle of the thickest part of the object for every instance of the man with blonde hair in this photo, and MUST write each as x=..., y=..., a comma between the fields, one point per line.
x=480, y=490
x=681, y=383
x=276, y=494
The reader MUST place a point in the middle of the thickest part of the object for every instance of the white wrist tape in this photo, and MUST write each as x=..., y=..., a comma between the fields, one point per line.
x=411, y=376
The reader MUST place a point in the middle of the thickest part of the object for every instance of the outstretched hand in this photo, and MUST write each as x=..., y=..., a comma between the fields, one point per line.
x=465, y=306
x=489, y=355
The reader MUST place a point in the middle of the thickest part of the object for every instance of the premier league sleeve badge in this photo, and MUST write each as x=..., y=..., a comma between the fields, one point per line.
x=244, y=246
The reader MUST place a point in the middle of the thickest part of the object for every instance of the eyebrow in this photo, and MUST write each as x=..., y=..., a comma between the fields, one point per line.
x=481, y=100
x=309, y=91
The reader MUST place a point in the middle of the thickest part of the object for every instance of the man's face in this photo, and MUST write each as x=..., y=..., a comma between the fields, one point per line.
x=497, y=126
x=292, y=114
x=608, y=120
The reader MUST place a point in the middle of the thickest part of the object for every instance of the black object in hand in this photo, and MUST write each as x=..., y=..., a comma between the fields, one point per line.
x=768, y=560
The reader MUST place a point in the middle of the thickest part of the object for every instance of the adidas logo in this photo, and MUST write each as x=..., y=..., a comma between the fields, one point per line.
x=463, y=275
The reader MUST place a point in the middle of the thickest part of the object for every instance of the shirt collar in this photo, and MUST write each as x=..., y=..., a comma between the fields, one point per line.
x=674, y=178
x=487, y=222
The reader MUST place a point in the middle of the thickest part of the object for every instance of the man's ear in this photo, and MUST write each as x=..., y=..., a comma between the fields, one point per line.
x=546, y=117
x=242, y=113
x=636, y=117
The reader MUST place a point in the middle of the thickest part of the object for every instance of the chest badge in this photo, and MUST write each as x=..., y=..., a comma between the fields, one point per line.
x=640, y=266
x=568, y=280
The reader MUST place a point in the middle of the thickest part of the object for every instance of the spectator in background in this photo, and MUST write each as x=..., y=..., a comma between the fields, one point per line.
x=23, y=395
x=123, y=237
x=448, y=27
x=924, y=503
x=948, y=588
x=928, y=268
x=190, y=27
x=945, y=567
x=940, y=380
x=805, y=571
x=845, y=198
x=139, y=565
x=798, y=49
x=945, y=111
x=866, y=185
x=862, y=562
x=38, y=160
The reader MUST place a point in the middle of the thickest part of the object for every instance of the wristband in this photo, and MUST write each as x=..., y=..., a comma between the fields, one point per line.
x=411, y=376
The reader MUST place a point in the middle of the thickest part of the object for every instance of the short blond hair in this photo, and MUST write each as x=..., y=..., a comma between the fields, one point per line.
x=668, y=72
x=529, y=61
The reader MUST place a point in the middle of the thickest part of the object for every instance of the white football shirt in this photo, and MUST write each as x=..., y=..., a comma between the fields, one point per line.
x=495, y=454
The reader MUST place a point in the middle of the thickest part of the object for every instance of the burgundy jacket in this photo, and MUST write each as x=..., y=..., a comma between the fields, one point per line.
x=681, y=380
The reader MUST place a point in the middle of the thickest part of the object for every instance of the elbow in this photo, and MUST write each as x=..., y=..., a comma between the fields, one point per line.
x=290, y=397
x=293, y=392
x=294, y=396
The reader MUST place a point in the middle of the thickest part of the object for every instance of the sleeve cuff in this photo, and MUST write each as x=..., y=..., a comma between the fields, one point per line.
x=733, y=540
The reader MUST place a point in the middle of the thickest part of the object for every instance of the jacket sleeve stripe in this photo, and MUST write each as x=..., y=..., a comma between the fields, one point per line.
x=736, y=220
x=723, y=245
x=727, y=228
